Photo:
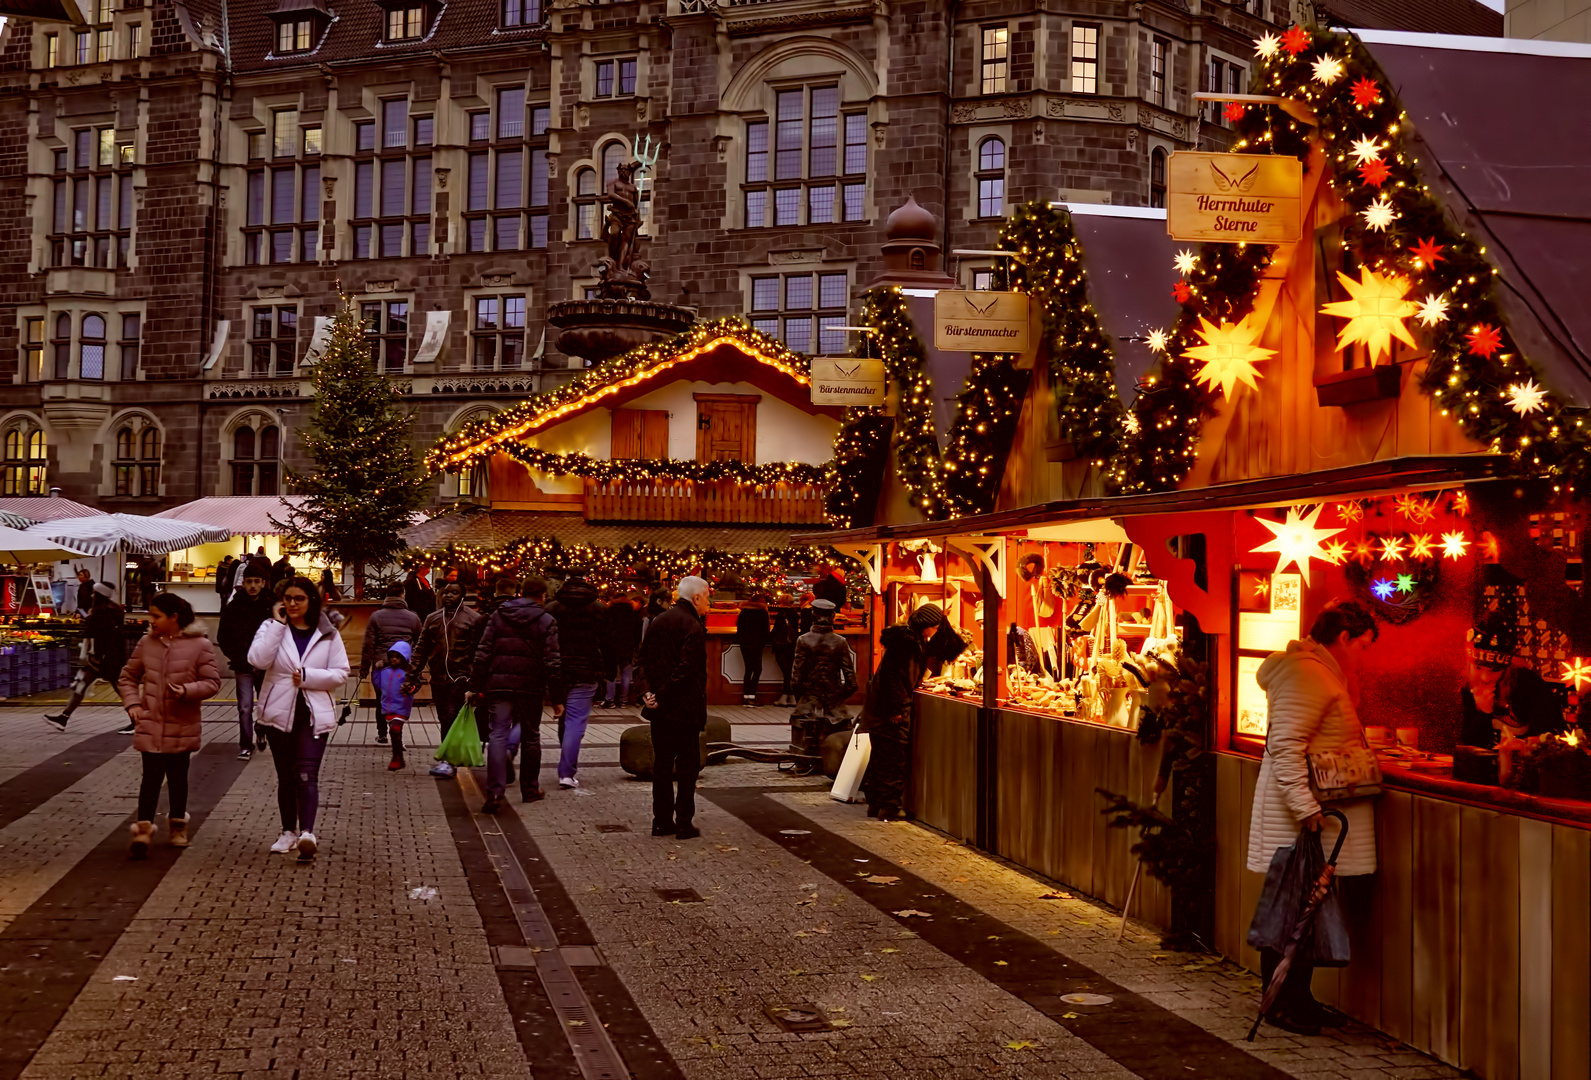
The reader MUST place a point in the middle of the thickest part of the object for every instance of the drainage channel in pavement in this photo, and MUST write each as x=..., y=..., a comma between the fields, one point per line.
x=594, y=1052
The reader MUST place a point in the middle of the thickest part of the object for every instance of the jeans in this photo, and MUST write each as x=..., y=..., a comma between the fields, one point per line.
x=510, y=715
x=576, y=710
x=619, y=689
x=297, y=755
x=246, y=688
x=784, y=656
x=173, y=769
x=448, y=698
x=677, y=761
x=751, y=660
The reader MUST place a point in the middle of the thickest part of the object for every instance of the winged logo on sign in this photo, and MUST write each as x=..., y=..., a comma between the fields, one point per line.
x=848, y=372
x=1241, y=184
x=986, y=308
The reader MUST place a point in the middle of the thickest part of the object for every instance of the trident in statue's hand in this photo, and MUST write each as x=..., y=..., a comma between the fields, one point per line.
x=646, y=153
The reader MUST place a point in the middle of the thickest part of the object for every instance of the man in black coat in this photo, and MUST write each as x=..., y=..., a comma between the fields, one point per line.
x=623, y=635
x=674, y=657
x=824, y=676
x=587, y=665
x=240, y=620
x=516, y=662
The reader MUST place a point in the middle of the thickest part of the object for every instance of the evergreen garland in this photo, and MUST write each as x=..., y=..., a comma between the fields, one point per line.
x=584, y=465
x=987, y=410
x=856, y=475
x=365, y=482
x=916, y=447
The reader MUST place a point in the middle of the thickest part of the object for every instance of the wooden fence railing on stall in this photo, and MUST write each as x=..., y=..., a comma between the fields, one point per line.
x=712, y=501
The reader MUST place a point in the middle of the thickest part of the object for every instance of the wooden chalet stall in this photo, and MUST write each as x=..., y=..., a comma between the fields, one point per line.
x=1393, y=412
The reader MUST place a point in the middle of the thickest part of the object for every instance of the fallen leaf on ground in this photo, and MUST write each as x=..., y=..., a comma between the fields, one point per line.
x=577, y=1023
x=909, y=912
x=1002, y=963
x=1068, y=1016
x=1055, y=896
x=869, y=978
x=802, y=933
x=882, y=879
x=840, y=1023
x=1022, y=1044
x=888, y=950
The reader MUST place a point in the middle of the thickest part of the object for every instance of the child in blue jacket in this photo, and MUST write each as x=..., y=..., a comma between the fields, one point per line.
x=394, y=687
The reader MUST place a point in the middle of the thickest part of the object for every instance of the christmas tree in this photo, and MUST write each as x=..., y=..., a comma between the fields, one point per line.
x=364, y=483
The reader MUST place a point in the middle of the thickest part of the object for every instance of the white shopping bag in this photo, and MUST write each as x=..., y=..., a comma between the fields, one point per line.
x=848, y=783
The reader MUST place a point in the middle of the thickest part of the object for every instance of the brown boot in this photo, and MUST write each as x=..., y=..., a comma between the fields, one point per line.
x=143, y=833
x=177, y=830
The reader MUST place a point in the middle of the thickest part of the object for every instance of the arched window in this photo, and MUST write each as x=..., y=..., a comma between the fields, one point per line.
x=1157, y=178
x=585, y=204
x=991, y=177
x=137, y=464
x=27, y=453
x=63, y=345
x=256, y=458
x=472, y=478
x=91, y=348
x=613, y=155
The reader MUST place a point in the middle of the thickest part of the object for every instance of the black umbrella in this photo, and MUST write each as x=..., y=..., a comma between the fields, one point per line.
x=1304, y=926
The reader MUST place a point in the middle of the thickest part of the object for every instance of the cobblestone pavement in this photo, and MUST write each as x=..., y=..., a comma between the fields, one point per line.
x=398, y=952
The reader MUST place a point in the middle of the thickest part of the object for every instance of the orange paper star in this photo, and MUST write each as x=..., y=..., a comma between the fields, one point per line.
x=1375, y=173
x=1180, y=292
x=1422, y=546
x=1366, y=93
x=1392, y=549
x=1485, y=340
x=1427, y=251
x=1295, y=41
x=1233, y=111
x=1337, y=552
x=1577, y=673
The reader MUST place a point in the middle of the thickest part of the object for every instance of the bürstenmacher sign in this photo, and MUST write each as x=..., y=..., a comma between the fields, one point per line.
x=845, y=380
x=1234, y=198
x=981, y=321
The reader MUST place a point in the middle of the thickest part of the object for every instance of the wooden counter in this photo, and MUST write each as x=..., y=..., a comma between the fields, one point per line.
x=725, y=670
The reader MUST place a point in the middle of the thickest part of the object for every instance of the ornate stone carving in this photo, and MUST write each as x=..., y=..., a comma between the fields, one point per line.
x=483, y=383
x=1116, y=111
x=497, y=281
x=1055, y=109
x=441, y=178
x=286, y=388
x=880, y=130
x=789, y=257
x=328, y=187
x=640, y=110
x=582, y=116
x=964, y=114
x=799, y=21
x=381, y=286
x=1132, y=138
x=721, y=146
x=1015, y=107
x=697, y=7
x=271, y=292
x=622, y=272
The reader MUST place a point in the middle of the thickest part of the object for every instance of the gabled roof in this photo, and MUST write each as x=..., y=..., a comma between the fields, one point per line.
x=1504, y=143
x=724, y=350
x=1469, y=17
x=356, y=32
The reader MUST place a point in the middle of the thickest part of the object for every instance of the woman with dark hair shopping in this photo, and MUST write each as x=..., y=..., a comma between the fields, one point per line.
x=305, y=665
x=172, y=670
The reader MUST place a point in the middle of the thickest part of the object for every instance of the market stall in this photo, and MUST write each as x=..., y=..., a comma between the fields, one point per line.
x=253, y=524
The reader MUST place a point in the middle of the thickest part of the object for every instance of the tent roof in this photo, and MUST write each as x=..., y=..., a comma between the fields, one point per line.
x=45, y=507
x=1427, y=16
x=242, y=515
x=1503, y=141
x=496, y=529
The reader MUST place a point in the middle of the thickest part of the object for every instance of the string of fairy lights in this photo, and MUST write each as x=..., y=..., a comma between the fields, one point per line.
x=631, y=470
x=1412, y=263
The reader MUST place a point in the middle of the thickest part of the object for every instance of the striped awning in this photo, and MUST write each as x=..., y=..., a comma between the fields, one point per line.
x=33, y=508
x=241, y=515
x=108, y=534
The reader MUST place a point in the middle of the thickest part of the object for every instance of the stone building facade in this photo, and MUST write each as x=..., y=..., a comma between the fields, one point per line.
x=186, y=188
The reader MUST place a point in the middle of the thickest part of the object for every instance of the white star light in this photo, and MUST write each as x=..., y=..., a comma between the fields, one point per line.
x=1130, y=422
x=1433, y=310
x=1156, y=340
x=1526, y=397
x=1267, y=46
x=1366, y=150
x=1296, y=540
x=1185, y=262
x=1328, y=69
x=1379, y=214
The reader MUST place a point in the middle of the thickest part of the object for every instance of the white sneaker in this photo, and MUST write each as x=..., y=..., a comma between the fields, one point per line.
x=284, y=843
x=306, y=845
x=442, y=768
x=568, y=781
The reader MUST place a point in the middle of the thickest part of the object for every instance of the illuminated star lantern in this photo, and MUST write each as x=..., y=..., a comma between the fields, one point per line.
x=1184, y=262
x=1454, y=545
x=1233, y=111
x=1405, y=583
x=1156, y=340
x=1392, y=549
x=1433, y=310
x=1375, y=173
x=1488, y=545
x=1366, y=93
x=1485, y=340
x=1366, y=150
x=1130, y=422
x=1375, y=313
x=1350, y=511
x=1295, y=40
x=1461, y=503
x=1383, y=588
x=1422, y=546
x=1526, y=397
x=1337, y=552
x=1427, y=252
x=1180, y=292
x=1577, y=673
x=1296, y=540
x=1327, y=70
x=1379, y=214
x=1266, y=46
x=1414, y=508
x=1363, y=552
x=1229, y=353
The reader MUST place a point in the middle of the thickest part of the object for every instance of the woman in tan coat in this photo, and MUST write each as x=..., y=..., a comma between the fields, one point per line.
x=172, y=670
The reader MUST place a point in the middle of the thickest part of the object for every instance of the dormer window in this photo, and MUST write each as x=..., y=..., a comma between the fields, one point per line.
x=299, y=25
x=406, y=22
x=293, y=36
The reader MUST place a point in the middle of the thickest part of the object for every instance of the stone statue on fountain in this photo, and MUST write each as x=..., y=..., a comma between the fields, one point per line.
x=621, y=272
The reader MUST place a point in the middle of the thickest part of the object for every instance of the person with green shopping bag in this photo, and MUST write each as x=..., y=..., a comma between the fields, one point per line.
x=516, y=663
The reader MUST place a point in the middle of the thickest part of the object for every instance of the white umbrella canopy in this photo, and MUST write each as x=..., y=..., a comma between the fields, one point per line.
x=107, y=534
x=21, y=548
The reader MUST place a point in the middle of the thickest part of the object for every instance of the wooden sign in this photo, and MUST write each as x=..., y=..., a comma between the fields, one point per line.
x=847, y=380
x=1234, y=198
x=980, y=321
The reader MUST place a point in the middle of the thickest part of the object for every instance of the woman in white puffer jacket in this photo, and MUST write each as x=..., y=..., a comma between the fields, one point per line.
x=1310, y=709
x=305, y=665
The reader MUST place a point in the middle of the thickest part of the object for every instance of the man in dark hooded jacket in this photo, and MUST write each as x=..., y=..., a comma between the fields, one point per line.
x=910, y=648
x=447, y=645
x=587, y=664
x=517, y=660
x=824, y=676
x=240, y=620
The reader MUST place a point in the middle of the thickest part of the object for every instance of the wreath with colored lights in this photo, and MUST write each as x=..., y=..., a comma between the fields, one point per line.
x=1398, y=593
x=1410, y=253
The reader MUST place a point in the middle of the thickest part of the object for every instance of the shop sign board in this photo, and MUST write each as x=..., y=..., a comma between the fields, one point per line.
x=980, y=321
x=1234, y=198
x=847, y=380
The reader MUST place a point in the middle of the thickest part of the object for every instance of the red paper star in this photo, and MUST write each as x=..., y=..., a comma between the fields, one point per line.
x=1366, y=93
x=1428, y=251
x=1233, y=111
x=1375, y=172
x=1295, y=40
x=1485, y=340
x=1180, y=292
